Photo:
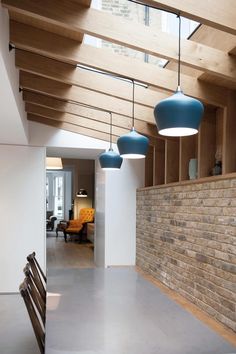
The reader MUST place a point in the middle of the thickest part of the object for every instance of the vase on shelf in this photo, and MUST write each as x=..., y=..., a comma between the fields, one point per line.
x=192, y=169
x=217, y=169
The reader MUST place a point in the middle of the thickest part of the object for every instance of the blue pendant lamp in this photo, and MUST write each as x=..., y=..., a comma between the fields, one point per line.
x=133, y=145
x=110, y=160
x=178, y=115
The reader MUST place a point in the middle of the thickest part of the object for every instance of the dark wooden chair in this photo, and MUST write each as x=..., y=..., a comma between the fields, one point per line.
x=61, y=226
x=40, y=302
x=38, y=326
x=40, y=279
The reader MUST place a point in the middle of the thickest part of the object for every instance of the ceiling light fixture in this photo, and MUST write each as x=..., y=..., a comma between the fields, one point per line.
x=110, y=160
x=178, y=115
x=133, y=145
x=82, y=193
x=53, y=163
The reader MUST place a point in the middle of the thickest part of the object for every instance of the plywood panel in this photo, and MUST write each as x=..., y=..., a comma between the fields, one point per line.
x=159, y=162
x=188, y=150
x=207, y=143
x=172, y=161
x=230, y=135
x=149, y=163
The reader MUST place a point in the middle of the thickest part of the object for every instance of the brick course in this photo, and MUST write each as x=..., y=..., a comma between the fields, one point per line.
x=186, y=238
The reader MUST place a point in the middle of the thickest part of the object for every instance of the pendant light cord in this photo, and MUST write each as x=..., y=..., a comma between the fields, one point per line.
x=110, y=130
x=133, y=106
x=179, y=50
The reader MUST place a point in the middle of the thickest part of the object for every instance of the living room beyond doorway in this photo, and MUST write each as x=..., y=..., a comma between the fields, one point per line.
x=64, y=202
x=68, y=255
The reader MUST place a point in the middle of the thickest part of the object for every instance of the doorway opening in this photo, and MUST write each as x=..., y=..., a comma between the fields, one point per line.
x=64, y=203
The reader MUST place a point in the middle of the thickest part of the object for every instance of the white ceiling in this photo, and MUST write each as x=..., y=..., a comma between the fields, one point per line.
x=73, y=153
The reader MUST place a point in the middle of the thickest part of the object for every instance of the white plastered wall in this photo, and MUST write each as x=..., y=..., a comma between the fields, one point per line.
x=116, y=213
x=99, y=237
x=22, y=210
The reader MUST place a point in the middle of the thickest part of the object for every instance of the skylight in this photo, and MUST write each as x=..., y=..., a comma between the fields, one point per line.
x=153, y=18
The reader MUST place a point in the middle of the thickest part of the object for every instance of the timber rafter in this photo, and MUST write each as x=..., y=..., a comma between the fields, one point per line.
x=79, y=19
x=48, y=38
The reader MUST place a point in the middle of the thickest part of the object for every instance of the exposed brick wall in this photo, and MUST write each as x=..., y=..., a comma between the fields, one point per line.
x=186, y=238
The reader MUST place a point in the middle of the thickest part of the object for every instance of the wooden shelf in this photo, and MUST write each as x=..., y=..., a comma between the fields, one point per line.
x=196, y=181
x=207, y=144
x=149, y=167
x=159, y=162
x=188, y=150
x=169, y=160
x=229, y=152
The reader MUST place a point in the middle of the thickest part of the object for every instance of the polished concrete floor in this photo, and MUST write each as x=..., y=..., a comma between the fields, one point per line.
x=16, y=333
x=117, y=311
x=68, y=255
x=121, y=313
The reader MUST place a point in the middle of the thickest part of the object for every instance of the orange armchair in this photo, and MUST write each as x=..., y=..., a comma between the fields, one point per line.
x=76, y=227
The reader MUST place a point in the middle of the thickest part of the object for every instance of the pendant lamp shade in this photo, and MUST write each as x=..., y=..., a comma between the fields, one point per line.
x=110, y=160
x=82, y=193
x=178, y=115
x=133, y=145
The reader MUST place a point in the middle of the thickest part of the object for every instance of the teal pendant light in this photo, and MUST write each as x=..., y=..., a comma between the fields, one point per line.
x=110, y=160
x=178, y=115
x=133, y=145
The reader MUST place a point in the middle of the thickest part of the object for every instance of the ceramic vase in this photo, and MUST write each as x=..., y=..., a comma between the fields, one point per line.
x=192, y=169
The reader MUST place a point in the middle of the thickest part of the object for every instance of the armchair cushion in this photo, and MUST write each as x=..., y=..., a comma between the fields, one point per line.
x=74, y=223
x=76, y=226
x=86, y=215
x=74, y=230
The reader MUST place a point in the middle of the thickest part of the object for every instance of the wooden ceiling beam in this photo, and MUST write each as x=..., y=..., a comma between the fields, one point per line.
x=220, y=14
x=73, y=17
x=78, y=129
x=67, y=50
x=72, y=119
x=70, y=127
x=69, y=74
x=77, y=94
x=50, y=27
x=66, y=107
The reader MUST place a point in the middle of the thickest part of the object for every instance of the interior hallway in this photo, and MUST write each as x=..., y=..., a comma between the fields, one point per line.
x=68, y=255
x=117, y=311
x=75, y=255
x=130, y=316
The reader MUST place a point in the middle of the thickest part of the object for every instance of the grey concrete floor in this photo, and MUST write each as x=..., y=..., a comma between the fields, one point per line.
x=117, y=311
x=16, y=333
